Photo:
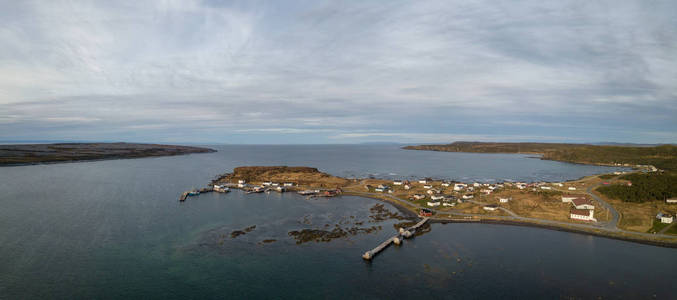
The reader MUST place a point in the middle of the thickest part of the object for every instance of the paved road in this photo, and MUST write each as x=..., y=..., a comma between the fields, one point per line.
x=611, y=225
x=514, y=217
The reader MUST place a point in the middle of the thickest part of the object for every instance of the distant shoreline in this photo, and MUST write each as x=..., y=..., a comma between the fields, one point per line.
x=38, y=154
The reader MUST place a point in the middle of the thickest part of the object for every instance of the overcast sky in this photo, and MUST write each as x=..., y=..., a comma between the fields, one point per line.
x=330, y=72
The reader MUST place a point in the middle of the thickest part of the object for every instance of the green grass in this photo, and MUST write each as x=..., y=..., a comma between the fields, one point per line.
x=606, y=176
x=672, y=230
x=657, y=226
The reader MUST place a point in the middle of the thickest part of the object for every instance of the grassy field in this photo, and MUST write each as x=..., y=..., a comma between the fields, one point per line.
x=657, y=226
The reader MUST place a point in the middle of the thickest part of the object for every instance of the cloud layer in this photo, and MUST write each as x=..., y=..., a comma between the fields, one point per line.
x=329, y=72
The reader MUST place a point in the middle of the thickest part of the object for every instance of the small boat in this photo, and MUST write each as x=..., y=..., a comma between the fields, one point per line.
x=193, y=193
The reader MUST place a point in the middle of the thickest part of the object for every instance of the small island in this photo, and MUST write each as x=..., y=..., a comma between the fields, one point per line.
x=584, y=205
x=26, y=154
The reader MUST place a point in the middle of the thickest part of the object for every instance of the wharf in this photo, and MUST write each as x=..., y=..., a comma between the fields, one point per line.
x=396, y=239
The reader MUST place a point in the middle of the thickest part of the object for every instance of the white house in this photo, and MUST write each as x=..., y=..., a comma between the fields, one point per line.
x=379, y=189
x=433, y=191
x=476, y=184
x=671, y=200
x=503, y=200
x=569, y=198
x=665, y=218
x=423, y=181
x=288, y=184
x=468, y=196
x=406, y=186
x=427, y=186
x=434, y=203
x=546, y=188
x=448, y=204
x=459, y=186
x=571, y=188
x=445, y=184
x=491, y=207
x=397, y=182
x=485, y=191
x=436, y=197
x=275, y=184
x=583, y=214
x=267, y=183
x=419, y=196
x=241, y=181
x=582, y=203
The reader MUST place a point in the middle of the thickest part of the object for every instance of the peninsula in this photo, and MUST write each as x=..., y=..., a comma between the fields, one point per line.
x=25, y=154
x=579, y=206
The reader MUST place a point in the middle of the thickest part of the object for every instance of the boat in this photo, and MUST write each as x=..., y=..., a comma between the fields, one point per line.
x=193, y=193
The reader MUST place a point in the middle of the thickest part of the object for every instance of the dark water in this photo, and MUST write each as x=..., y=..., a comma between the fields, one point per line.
x=114, y=229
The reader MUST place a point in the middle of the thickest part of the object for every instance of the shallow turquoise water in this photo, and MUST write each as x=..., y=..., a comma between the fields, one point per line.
x=114, y=229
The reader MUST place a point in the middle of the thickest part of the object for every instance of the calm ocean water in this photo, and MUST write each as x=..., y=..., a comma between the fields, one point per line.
x=114, y=229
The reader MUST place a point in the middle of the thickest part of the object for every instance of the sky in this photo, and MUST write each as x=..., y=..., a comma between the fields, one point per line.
x=317, y=72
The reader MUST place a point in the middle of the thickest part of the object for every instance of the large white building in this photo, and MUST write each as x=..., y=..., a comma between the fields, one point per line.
x=583, y=214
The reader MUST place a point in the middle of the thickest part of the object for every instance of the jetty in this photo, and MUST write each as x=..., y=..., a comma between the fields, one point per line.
x=396, y=239
x=194, y=192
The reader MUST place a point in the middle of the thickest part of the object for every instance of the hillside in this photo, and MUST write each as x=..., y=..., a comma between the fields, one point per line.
x=663, y=157
x=67, y=152
x=299, y=175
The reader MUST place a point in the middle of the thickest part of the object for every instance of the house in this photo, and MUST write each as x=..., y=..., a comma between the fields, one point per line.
x=380, y=189
x=280, y=189
x=504, y=200
x=423, y=181
x=433, y=191
x=476, y=184
x=241, y=181
x=419, y=196
x=571, y=188
x=558, y=184
x=568, y=198
x=382, y=186
x=436, y=197
x=491, y=207
x=582, y=203
x=397, y=182
x=448, y=204
x=467, y=196
x=671, y=200
x=407, y=187
x=275, y=184
x=459, y=186
x=267, y=183
x=427, y=186
x=437, y=203
x=446, y=184
x=546, y=188
x=424, y=212
x=582, y=214
x=666, y=218
x=288, y=184
x=485, y=191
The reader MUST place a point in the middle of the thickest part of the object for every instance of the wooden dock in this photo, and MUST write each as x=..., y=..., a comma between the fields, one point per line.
x=187, y=194
x=397, y=239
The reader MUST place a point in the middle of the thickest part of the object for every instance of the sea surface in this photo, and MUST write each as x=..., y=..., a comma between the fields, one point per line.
x=115, y=229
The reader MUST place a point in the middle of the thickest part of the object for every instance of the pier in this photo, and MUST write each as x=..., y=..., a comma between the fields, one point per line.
x=396, y=239
x=194, y=192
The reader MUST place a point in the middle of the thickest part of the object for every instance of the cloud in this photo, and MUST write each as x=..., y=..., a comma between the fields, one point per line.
x=320, y=71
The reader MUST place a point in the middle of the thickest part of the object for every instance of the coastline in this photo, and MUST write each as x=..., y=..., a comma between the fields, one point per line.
x=354, y=187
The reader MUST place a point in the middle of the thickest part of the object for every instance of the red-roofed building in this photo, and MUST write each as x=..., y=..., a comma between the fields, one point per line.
x=582, y=203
